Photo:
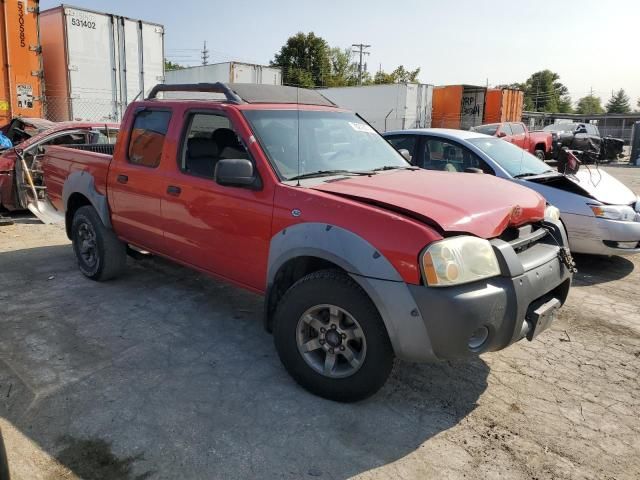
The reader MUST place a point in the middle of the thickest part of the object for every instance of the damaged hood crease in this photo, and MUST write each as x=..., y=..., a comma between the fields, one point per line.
x=480, y=205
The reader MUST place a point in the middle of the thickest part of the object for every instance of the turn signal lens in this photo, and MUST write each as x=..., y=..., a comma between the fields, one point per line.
x=459, y=260
x=623, y=213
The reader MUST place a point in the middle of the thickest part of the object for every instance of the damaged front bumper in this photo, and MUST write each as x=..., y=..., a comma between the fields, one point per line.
x=427, y=324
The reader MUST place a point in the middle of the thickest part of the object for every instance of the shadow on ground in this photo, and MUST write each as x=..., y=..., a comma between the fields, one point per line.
x=165, y=373
x=595, y=269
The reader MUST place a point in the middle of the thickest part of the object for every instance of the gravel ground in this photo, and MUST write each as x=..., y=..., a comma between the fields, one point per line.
x=164, y=373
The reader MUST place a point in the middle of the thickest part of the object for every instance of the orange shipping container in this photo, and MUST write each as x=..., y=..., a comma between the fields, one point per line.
x=21, y=88
x=458, y=106
x=503, y=105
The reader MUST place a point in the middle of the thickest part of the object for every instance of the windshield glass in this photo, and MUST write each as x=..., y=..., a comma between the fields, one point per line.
x=327, y=141
x=516, y=161
x=487, y=129
x=559, y=127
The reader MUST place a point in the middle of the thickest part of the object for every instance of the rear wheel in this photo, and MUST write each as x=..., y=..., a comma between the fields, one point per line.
x=331, y=339
x=101, y=256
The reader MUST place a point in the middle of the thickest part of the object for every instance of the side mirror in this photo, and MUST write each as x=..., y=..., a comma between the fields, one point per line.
x=235, y=172
x=473, y=170
x=501, y=134
x=405, y=153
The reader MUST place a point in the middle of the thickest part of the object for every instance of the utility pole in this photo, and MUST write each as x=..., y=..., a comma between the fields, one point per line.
x=360, y=49
x=205, y=54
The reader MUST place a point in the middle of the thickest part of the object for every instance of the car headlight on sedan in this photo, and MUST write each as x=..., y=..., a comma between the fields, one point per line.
x=623, y=213
x=552, y=213
x=458, y=260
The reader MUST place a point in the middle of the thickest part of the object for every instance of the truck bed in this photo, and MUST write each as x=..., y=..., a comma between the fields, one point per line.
x=58, y=163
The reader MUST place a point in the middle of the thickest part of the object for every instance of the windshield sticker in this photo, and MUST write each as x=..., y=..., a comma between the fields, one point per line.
x=361, y=127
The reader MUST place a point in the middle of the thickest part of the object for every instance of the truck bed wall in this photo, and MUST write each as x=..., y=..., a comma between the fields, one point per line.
x=58, y=163
x=21, y=86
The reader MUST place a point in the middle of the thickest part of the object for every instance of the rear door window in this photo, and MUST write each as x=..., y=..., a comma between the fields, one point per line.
x=147, y=137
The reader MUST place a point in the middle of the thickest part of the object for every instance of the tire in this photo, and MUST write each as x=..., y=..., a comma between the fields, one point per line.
x=325, y=298
x=540, y=154
x=101, y=256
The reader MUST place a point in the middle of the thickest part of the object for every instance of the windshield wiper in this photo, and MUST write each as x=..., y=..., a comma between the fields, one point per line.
x=326, y=173
x=527, y=174
x=394, y=167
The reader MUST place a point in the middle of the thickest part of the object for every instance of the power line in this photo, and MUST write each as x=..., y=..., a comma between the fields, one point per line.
x=360, y=49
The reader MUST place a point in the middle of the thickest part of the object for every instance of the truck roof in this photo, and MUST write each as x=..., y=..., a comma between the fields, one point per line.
x=247, y=93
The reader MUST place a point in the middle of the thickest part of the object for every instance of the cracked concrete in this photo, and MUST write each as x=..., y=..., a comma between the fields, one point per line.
x=165, y=373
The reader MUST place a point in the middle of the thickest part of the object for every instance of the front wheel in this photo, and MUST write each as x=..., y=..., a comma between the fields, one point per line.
x=101, y=256
x=331, y=339
x=540, y=154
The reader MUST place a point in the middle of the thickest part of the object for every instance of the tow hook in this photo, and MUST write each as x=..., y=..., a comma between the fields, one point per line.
x=567, y=259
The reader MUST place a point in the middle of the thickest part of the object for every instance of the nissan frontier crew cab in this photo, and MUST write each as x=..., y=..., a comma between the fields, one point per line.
x=360, y=256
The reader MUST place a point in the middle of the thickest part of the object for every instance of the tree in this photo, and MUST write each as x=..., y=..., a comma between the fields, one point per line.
x=344, y=72
x=169, y=65
x=543, y=92
x=638, y=104
x=589, y=105
x=399, y=75
x=619, y=102
x=305, y=60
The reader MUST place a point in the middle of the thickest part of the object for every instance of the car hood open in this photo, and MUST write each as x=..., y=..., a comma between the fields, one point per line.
x=473, y=203
x=594, y=183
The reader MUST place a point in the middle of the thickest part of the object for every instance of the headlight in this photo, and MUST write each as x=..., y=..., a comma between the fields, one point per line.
x=458, y=260
x=552, y=213
x=614, y=212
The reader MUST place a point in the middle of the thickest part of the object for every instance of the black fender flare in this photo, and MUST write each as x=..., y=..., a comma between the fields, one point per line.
x=368, y=267
x=82, y=182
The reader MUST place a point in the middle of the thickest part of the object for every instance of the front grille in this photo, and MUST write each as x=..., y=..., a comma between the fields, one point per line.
x=524, y=237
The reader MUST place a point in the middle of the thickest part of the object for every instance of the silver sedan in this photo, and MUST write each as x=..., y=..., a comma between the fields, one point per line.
x=600, y=213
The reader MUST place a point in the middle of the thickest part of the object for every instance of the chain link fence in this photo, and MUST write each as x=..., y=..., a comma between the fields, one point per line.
x=60, y=109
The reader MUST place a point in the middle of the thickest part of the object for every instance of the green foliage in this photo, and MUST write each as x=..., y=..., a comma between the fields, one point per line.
x=619, y=102
x=344, y=72
x=589, y=105
x=399, y=75
x=543, y=92
x=305, y=60
x=169, y=65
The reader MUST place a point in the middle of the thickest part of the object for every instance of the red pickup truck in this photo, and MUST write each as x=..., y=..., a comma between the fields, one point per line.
x=538, y=143
x=360, y=256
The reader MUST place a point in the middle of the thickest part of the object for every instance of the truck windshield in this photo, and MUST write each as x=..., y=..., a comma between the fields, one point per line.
x=300, y=142
x=516, y=161
x=490, y=129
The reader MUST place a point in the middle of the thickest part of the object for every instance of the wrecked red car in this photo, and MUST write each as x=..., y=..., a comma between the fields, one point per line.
x=30, y=134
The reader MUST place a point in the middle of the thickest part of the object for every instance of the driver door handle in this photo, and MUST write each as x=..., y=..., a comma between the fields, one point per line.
x=173, y=190
x=122, y=179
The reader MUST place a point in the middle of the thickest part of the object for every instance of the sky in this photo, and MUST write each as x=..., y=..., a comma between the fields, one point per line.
x=592, y=45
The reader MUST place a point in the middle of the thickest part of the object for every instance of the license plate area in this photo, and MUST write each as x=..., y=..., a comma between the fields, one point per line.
x=542, y=317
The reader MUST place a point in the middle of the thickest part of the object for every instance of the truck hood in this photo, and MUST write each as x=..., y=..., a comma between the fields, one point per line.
x=593, y=183
x=473, y=203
